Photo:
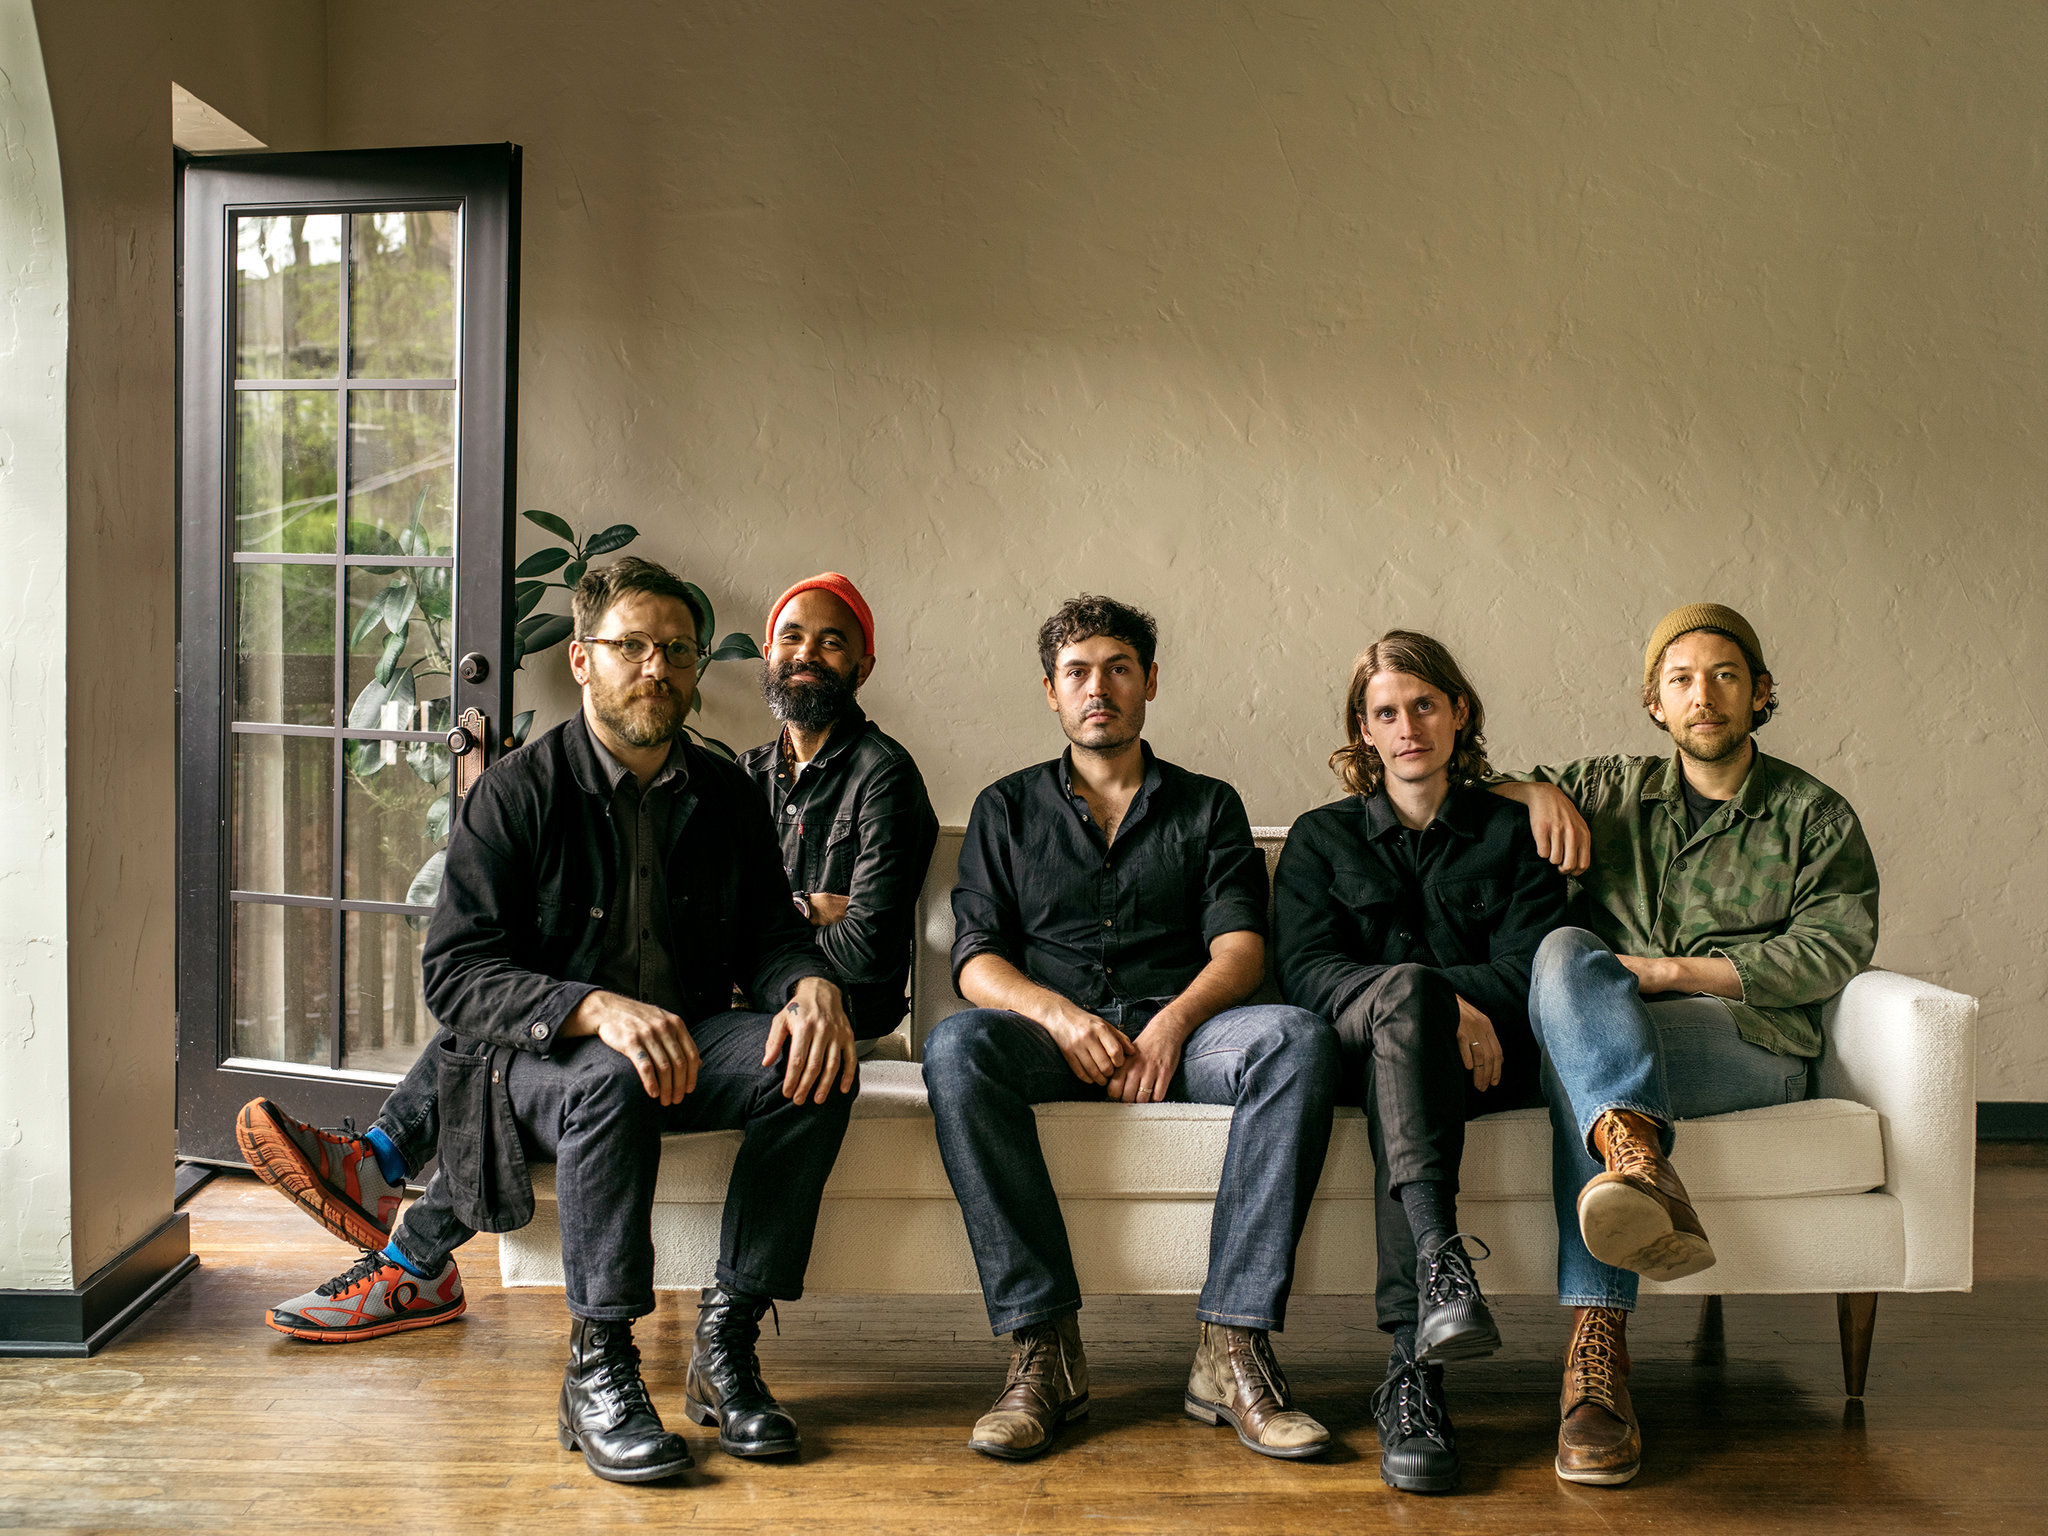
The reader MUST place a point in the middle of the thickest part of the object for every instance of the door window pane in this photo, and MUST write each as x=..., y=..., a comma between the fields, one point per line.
x=397, y=820
x=402, y=295
x=399, y=626
x=283, y=983
x=284, y=644
x=401, y=471
x=385, y=1023
x=284, y=470
x=288, y=296
x=284, y=815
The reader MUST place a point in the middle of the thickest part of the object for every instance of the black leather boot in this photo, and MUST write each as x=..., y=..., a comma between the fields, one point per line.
x=606, y=1413
x=725, y=1386
x=1454, y=1322
x=1418, y=1446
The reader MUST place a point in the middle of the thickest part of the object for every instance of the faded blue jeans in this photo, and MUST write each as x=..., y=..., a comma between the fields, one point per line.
x=1278, y=1065
x=1606, y=1047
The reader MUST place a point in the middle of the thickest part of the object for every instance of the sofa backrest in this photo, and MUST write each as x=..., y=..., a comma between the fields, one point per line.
x=932, y=997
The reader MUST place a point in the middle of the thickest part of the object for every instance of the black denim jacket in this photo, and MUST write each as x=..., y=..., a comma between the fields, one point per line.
x=519, y=932
x=856, y=823
x=1106, y=926
x=1474, y=904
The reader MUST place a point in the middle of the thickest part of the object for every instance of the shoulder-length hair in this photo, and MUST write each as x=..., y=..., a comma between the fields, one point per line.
x=1403, y=650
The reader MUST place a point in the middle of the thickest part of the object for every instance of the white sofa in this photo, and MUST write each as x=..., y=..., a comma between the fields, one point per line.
x=1867, y=1188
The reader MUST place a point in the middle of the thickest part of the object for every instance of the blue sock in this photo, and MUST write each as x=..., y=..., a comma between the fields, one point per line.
x=389, y=1162
x=391, y=1252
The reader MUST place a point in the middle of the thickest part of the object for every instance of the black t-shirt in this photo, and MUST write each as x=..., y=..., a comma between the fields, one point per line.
x=1697, y=807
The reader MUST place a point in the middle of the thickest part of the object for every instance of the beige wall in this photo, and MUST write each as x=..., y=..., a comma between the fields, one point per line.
x=1517, y=324
x=110, y=65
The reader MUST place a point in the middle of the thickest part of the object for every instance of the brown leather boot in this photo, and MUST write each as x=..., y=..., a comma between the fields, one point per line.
x=1637, y=1214
x=1599, y=1440
x=1047, y=1385
x=1236, y=1381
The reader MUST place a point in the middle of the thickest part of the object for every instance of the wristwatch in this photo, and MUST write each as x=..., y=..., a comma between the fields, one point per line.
x=803, y=903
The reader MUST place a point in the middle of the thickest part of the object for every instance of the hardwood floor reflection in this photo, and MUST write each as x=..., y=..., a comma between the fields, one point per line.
x=201, y=1418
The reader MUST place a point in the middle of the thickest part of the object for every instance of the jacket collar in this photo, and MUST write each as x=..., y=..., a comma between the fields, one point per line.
x=1460, y=813
x=590, y=765
x=1752, y=800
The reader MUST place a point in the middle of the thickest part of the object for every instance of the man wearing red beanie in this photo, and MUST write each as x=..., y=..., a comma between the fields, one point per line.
x=850, y=808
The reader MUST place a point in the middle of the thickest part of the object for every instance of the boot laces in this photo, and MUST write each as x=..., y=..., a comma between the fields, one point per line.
x=1628, y=1154
x=1450, y=1274
x=1596, y=1356
x=618, y=1378
x=1257, y=1346
x=1415, y=1406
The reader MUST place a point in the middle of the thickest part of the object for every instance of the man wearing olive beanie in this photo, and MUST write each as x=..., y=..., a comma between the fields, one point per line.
x=1728, y=896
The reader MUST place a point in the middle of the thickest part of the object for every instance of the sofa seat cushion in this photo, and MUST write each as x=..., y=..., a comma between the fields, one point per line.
x=1175, y=1151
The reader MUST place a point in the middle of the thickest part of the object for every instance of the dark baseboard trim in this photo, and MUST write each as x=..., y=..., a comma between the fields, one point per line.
x=81, y=1321
x=2014, y=1120
x=191, y=1178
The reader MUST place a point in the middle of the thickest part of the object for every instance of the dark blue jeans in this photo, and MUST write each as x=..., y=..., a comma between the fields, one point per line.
x=583, y=1109
x=1606, y=1047
x=1278, y=1067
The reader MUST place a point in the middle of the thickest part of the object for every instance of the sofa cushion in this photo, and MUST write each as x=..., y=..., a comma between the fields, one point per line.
x=1175, y=1151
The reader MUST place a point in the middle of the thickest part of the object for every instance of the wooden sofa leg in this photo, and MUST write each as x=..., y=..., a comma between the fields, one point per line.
x=1856, y=1315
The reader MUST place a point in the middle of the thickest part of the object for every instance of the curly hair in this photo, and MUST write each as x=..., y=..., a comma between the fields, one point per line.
x=1758, y=718
x=1085, y=617
x=1403, y=650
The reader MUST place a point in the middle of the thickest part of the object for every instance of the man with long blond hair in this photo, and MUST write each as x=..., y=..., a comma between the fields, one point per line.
x=1408, y=914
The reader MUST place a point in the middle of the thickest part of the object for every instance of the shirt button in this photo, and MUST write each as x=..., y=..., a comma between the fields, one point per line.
x=597, y=911
x=538, y=1031
x=1679, y=865
x=1109, y=922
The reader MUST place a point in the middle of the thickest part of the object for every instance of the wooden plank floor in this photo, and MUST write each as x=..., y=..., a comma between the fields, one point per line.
x=199, y=1418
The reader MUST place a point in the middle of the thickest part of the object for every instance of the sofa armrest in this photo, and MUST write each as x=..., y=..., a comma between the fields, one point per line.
x=1908, y=1049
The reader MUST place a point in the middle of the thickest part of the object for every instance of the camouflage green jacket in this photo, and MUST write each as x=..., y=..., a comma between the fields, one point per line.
x=1780, y=882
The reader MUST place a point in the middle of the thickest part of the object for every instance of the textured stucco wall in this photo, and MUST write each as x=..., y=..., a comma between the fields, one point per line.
x=1517, y=324
x=110, y=65
x=35, y=1153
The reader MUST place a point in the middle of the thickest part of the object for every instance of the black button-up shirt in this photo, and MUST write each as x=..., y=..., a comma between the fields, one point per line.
x=1468, y=895
x=1108, y=926
x=856, y=822
x=635, y=961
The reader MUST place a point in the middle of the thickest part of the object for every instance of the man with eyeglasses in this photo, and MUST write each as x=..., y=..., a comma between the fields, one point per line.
x=850, y=807
x=607, y=888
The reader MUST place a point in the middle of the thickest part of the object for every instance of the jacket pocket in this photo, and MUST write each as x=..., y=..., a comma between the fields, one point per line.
x=835, y=864
x=464, y=1083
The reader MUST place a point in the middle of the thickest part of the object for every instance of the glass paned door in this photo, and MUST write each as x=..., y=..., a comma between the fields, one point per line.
x=347, y=342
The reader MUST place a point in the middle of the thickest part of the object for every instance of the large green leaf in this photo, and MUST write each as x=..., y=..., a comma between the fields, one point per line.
x=399, y=599
x=425, y=889
x=437, y=818
x=712, y=744
x=521, y=724
x=618, y=536
x=525, y=595
x=431, y=760
x=573, y=572
x=737, y=647
x=541, y=561
x=394, y=647
x=432, y=583
x=707, y=620
x=366, y=714
x=538, y=631
x=552, y=523
x=372, y=616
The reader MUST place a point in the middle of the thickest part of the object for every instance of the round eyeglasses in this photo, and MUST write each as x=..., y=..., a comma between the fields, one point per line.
x=634, y=648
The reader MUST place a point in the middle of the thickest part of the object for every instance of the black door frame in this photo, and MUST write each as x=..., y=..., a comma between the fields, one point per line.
x=485, y=180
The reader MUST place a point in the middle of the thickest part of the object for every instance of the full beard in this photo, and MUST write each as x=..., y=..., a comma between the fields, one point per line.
x=811, y=705
x=1711, y=751
x=640, y=714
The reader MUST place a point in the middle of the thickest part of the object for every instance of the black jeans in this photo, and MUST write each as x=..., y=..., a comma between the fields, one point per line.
x=1275, y=1064
x=584, y=1109
x=1399, y=1040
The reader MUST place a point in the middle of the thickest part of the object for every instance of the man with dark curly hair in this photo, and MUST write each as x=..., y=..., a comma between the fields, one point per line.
x=1408, y=914
x=1728, y=896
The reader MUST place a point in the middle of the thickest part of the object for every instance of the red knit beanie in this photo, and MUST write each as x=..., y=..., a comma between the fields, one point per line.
x=841, y=588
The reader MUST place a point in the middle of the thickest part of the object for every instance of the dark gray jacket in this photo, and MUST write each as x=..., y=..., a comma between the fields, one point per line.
x=519, y=930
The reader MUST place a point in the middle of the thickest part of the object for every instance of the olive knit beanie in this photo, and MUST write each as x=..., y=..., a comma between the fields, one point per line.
x=1692, y=616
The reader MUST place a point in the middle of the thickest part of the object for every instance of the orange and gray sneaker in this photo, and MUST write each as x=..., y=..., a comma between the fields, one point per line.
x=1636, y=1215
x=372, y=1297
x=332, y=1176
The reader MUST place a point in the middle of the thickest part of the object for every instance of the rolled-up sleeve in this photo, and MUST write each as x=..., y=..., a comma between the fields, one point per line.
x=1234, y=873
x=985, y=913
x=1831, y=931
